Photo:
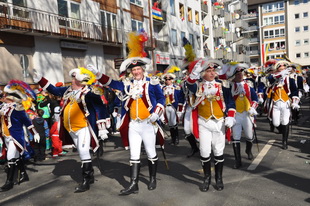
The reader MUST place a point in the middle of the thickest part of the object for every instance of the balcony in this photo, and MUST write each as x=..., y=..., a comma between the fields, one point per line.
x=250, y=16
x=254, y=40
x=254, y=53
x=243, y=41
x=219, y=54
x=26, y=20
x=242, y=24
x=241, y=7
x=243, y=57
x=230, y=37
x=204, y=7
x=218, y=32
x=162, y=46
x=159, y=16
x=218, y=12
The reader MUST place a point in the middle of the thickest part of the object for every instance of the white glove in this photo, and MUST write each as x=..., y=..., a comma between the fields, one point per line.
x=260, y=100
x=37, y=76
x=108, y=123
x=180, y=115
x=36, y=137
x=103, y=134
x=196, y=70
x=284, y=73
x=252, y=111
x=299, y=94
x=114, y=114
x=94, y=70
x=153, y=117
x=230, y=121
x=295, y=106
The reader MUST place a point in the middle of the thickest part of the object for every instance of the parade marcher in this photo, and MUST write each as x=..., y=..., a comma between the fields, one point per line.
x=143, y=104
x=214, y=109
x=189, y=97
x=13, y=118
x=246, y=103
x=296, y=75
x=174, y=103
x=189, y=100
x=283, y=94
x=83, y=114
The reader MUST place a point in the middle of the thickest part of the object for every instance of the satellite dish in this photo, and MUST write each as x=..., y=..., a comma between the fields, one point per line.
x=215, y=17
x=237, y=16
x=237, y=29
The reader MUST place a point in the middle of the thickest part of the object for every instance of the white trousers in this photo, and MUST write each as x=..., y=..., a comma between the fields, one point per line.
x=281, y=113
x=138, y=132
x=171, y=114
x=211, y=136
x=12, y=151
x=244, y=122
x=81, y=139
x=186, y=121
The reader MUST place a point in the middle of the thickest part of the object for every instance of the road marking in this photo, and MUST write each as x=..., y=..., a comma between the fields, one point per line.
x=261, y=155
x=26, y=191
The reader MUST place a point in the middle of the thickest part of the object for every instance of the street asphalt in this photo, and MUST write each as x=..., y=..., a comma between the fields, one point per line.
x=275, y=177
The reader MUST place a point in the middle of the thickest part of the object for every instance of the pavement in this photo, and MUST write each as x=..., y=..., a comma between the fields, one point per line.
x=275, y=176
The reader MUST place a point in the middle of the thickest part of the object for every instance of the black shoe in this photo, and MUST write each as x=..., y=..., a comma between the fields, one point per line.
x=192, y=153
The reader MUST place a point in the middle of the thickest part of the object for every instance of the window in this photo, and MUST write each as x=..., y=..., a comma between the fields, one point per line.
x=181, y=11
x=136, y=25
x=297, y=29
x=189, y=14
x=306, y=28
x=174, y=37
x=138, y=2
x=298, y=55
x=191, y=40
x=197, y=17
x=182, y=35
x=18, y=12
x=296, y=16
x=69, y=9
x=281, y=19
x=306, y=54
x=306, y=41
x=172, y=6
x=305, y=1
x=108, y=20
x=305, y=14
x=297, y=43
x=296, y=2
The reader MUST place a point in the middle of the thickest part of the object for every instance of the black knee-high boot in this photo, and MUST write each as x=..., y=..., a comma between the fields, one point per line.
x=152, y=163
x=248, y=150
x=218, y=164
x=88, y=177
x=134, y=178
x=236, y=147
x=10, y=176
x=176, y=133
x=22, y=174
x=206, y=166
x=285, y=131
x=192, y=141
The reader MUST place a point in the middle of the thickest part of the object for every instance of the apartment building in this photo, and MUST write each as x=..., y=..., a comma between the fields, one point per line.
x=57, y=35
x=283, y=30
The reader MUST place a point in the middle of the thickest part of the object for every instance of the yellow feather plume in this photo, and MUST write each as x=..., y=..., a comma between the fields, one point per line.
x=173, y=69
x=135, y=44
x=189, y=53
x=90, y=74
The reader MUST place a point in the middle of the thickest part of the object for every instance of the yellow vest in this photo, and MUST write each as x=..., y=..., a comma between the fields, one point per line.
x=5, y=129
x=208, y=109
x=280, y=94
x=74, y=118
x=138, y=110
x=242, y=104
x=168, y=101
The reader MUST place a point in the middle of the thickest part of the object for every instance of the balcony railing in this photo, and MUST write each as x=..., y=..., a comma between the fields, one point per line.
x=162, y=46
x=43, y=23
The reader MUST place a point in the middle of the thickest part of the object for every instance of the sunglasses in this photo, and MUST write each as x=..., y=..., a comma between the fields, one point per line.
x=168, y=79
